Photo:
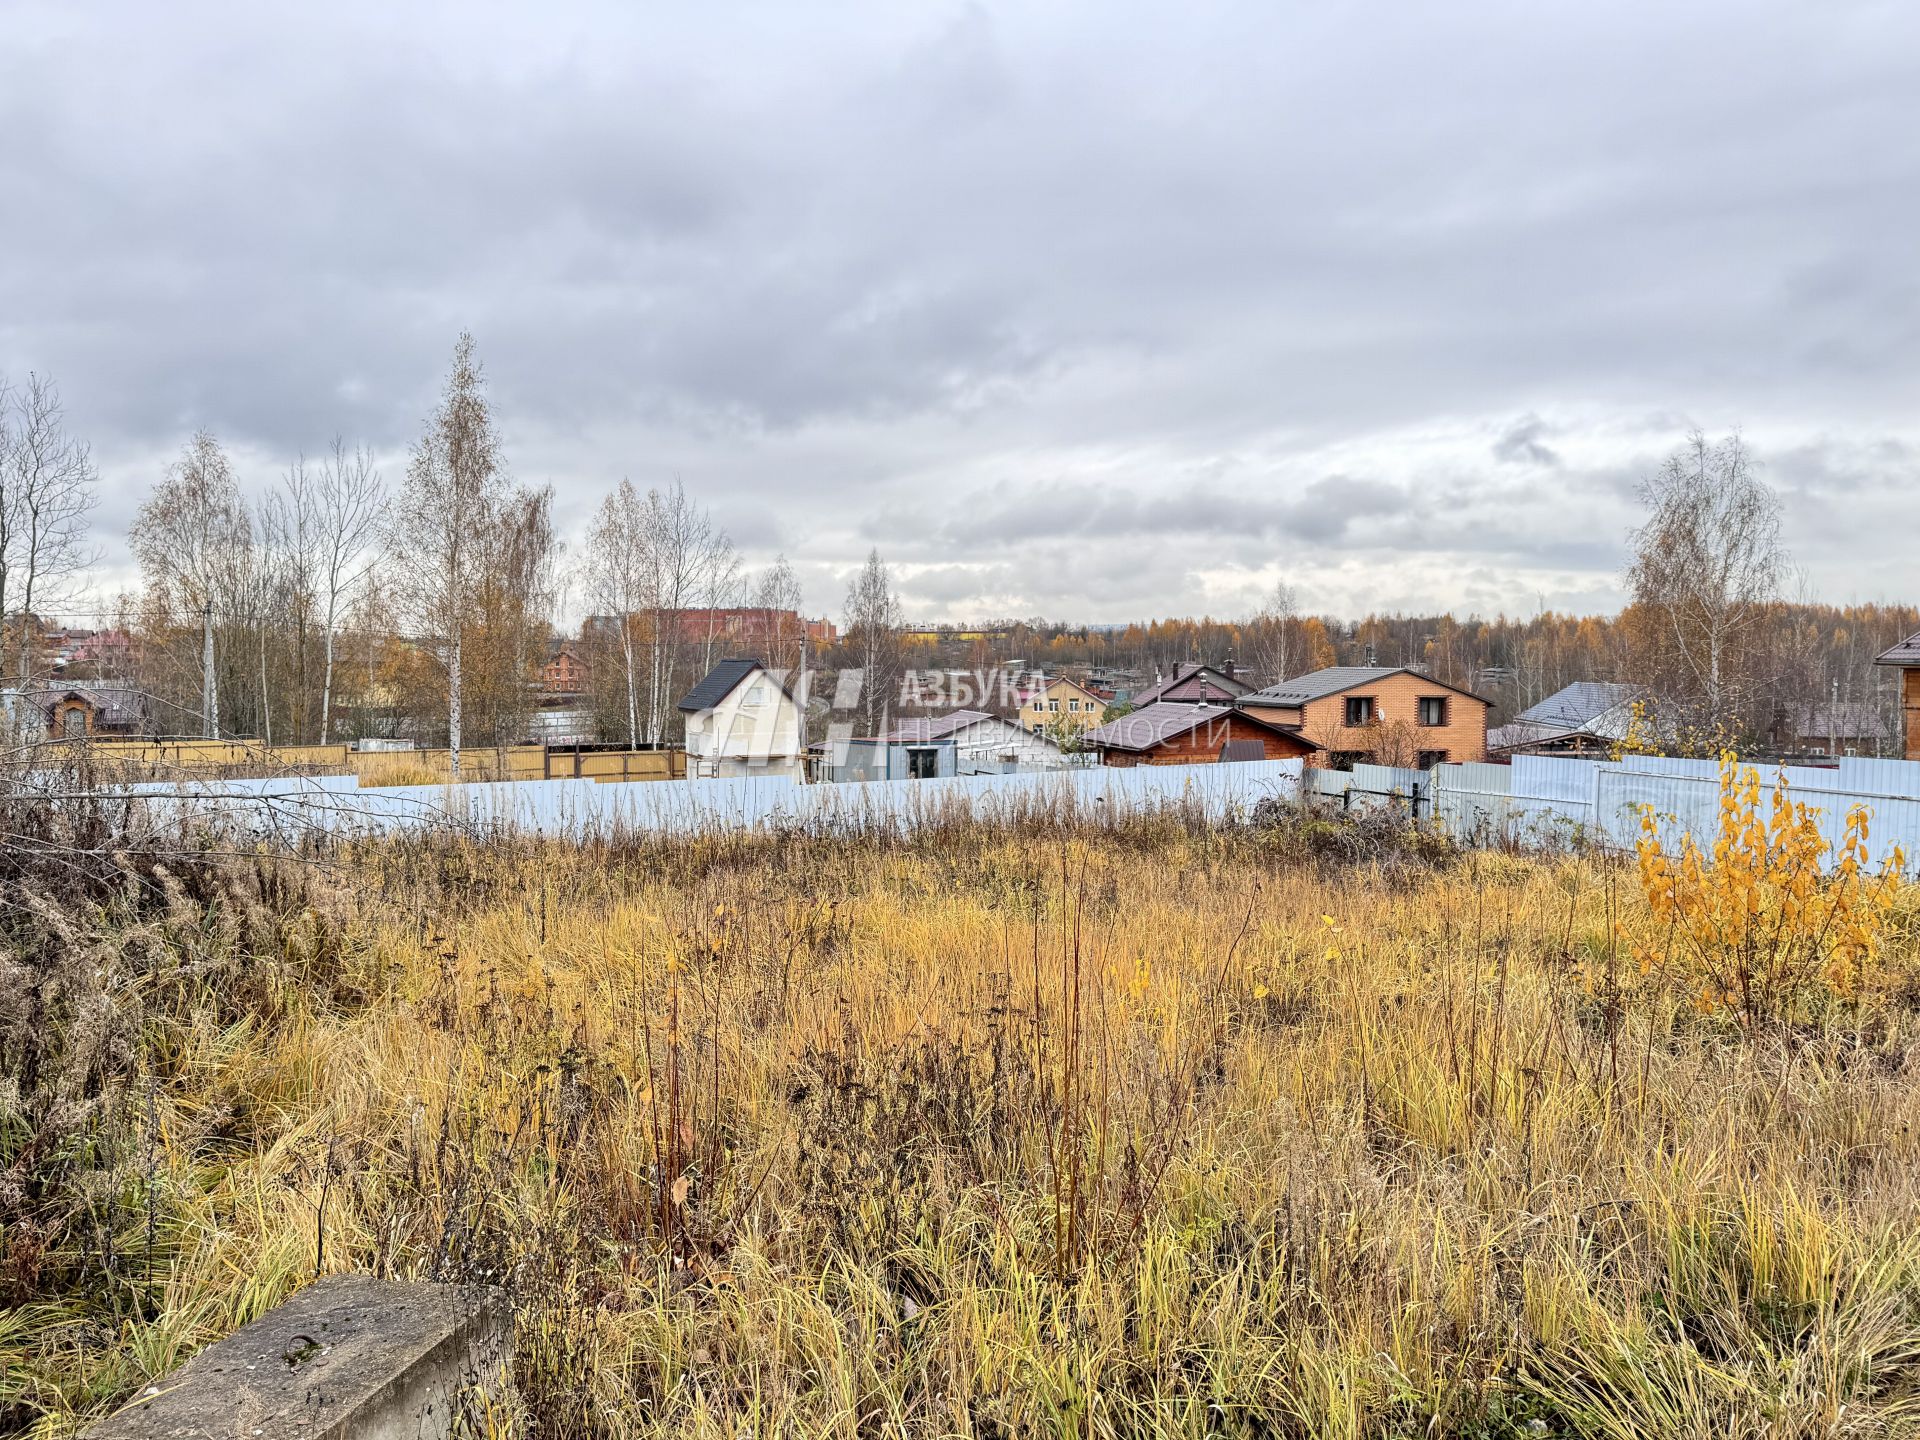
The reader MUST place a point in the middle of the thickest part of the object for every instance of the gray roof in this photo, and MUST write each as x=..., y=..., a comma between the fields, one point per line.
x=1907, y=652
x=940, y=727
x=718, y=684
x=1577, y=705
x=1597, y=709
x=1146, y=727
x=1848, y=719
x=1322, y=683
x=111, y=704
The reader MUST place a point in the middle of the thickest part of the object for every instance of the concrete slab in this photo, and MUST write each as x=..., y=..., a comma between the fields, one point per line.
x=348, y=1358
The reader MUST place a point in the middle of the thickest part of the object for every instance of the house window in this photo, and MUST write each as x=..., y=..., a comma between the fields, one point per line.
x=1359, y=710
x=1433, y=710
x=1346, y=759
x=1053, y=705
x=1073, y=705
x=756, y=695
x=1430, y=758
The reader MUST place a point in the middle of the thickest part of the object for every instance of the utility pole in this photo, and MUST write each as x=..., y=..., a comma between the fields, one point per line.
x=209, y=695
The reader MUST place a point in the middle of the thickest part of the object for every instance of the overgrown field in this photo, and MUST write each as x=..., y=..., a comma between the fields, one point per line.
x=1050, y=1130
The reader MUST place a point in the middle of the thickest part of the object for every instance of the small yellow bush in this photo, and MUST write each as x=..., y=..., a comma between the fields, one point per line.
x=1766, y=928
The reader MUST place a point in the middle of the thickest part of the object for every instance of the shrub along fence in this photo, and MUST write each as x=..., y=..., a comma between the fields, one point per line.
x=1543, y=801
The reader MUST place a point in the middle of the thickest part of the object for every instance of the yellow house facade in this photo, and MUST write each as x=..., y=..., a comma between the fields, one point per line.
x=1062, y=703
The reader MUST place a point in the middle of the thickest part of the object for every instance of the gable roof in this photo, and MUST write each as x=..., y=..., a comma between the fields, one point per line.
x=941, y=727
x=1593, y=709
x=1193, y=670
x=1906, y=653
x=1168, y=720
x=719, y=682
x=1578, y=704
x=1319, y=684
x=111, y=704
x=1052, y=680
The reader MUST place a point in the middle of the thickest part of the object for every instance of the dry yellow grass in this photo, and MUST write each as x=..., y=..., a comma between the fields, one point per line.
x=1165, y=1132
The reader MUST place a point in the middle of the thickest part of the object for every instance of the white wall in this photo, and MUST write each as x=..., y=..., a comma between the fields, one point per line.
x=984, y=742
x=754, y=729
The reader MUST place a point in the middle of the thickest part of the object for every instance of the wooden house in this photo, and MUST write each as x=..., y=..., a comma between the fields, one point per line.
x=1905, y=657
x=1177, y=733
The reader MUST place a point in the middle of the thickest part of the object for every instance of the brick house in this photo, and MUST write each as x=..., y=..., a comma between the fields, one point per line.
x=565, y=673
x=1905, y=657
x=1376, y=714
x=1173, y=732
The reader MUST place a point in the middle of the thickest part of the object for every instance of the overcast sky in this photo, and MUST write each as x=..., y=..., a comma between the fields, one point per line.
x=1093, y=310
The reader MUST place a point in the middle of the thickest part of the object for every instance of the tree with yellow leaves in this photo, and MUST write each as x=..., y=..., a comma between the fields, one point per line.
x=1776, y=922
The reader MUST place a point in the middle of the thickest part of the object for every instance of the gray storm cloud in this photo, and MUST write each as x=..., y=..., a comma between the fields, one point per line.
x=1380, y=302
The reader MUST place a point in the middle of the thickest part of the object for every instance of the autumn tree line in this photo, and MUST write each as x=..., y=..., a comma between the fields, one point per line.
x=344, y=602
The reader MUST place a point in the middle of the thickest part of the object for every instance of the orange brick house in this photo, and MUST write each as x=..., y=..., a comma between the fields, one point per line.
x=1377, y=715
x=1905, y=657
x=1180, y=733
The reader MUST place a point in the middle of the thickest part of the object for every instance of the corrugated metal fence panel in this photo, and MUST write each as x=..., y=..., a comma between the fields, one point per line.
x=1331, y=784
x=582, y=807
x=1538, y=800
x=1880, y=777
x=1674, y=765
x=1553, y=777
x=1382, y=787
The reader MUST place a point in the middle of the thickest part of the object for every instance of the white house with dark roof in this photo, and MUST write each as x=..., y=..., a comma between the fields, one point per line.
x=741, y=719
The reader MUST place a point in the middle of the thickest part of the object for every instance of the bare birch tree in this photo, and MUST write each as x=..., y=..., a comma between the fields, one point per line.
x=1706, y=565
x=873, y=621
x=620, y=582
x=776, y=594
x=1273, y=626
x=47, y=495
x=452, y=497
x=193, y=538
x=349, y=510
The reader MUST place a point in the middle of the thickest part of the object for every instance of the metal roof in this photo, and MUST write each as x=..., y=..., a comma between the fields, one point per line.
x=939, y=727
x=1577, y=705
x=1849, y=719
x=1322, y=683
x=1906, y=653
x=111, y=704
x=718, y=684
x=1189, y=670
